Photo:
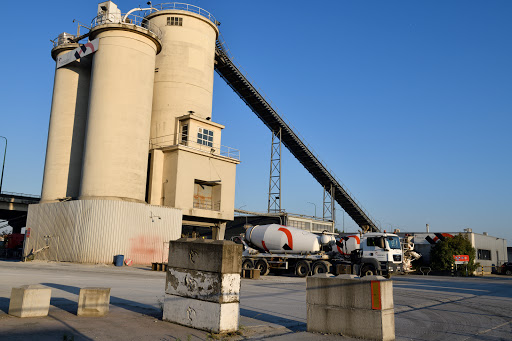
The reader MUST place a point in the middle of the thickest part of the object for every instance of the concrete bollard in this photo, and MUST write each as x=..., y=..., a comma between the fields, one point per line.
x=30, y=301
x=202, y=286
x=351, y=306
x=93, y=302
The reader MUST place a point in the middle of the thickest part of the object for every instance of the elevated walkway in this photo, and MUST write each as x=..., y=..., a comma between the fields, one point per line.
x=226, y=68
x=14, y=207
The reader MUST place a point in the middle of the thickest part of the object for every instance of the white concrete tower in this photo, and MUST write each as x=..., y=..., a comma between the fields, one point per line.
x=189, y=169
x=185, y=67
x=63, y=164
x=116, y=150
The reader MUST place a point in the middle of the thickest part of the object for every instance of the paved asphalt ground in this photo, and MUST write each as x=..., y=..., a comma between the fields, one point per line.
x=426, y=307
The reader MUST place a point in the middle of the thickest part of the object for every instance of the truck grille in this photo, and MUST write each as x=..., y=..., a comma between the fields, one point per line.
x=397, y=258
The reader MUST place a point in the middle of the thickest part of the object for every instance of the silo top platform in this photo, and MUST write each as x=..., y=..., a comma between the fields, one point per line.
x=198, y=15
x=129, y=22
x=176, y=6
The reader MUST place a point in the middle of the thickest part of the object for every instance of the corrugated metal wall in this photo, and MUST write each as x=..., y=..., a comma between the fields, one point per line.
x=93, y=231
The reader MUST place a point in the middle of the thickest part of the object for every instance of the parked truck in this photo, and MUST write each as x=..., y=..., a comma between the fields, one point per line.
x=290, y=249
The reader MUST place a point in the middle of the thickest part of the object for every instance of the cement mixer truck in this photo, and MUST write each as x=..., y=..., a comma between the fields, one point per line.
x=289, y=249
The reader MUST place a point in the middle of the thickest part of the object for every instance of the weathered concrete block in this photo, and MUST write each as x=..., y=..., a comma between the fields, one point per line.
x=30, y=301
x=210, y=316
x=359, y=323
x=206, y=255
x=349, y=291
x=93, y=301
x=203, y=285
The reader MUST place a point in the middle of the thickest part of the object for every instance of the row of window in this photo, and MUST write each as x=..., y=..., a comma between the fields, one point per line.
x=174, y=21
x=204, y=136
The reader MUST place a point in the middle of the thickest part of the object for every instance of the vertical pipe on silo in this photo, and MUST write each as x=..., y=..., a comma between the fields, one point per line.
x=64, y=149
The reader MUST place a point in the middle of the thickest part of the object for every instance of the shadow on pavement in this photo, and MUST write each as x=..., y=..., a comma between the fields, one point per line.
x=134, y=306
x=293, y=325
x=4, y=304
x=45, y=335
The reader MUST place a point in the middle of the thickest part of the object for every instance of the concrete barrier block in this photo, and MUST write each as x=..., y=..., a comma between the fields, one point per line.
x=209, y=316
x=205, y=255
x=358, y=323
x=349, y=291
x=203, y=285
x=93, y=301
x=30, y=301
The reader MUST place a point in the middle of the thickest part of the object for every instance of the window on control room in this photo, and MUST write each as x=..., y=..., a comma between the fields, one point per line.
x=205, y=137
x=184, y=134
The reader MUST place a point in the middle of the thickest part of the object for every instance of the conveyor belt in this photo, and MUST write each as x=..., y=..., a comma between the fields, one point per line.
x=250, y=95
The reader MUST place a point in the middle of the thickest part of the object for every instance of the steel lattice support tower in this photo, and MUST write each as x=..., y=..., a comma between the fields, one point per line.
x=274, y=187
x=328, y=206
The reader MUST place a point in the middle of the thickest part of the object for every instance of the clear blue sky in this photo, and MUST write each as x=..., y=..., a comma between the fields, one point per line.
x=408, y=102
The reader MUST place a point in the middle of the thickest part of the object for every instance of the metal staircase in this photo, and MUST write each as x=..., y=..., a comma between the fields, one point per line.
x=226, y=68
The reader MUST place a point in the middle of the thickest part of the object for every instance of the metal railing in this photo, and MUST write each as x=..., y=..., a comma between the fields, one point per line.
x=63, y=38
x=221, y=45
x=203, y=205
x=186, y=7
x=184, y=140
x=21, y=195
x=131, y=19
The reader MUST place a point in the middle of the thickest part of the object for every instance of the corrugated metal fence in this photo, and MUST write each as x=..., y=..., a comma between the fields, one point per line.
x=93, y=231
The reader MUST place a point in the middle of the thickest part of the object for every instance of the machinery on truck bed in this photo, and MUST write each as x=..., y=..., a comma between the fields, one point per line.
x=290, y=249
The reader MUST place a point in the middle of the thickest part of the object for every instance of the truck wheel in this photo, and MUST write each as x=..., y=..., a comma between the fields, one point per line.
x=508, y=272
x=247, y=264
x=320, y=267
x=367, y=270
x=262, y=265
x=302, y=268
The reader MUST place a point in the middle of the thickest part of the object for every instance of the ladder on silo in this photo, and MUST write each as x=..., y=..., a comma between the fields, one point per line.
x=226, y=68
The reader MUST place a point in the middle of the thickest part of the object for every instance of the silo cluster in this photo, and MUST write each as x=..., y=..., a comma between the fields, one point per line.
x=146, y=72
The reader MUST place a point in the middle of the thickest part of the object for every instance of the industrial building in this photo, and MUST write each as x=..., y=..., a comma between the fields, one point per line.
x=490, y=251
x=132, y=149
x=131, y=134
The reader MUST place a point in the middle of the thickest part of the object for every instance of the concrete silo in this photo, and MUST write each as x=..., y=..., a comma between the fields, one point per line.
x=148, y=76
x=63, y=165
x=189, y=169
x=116, y=148
x=185, y=68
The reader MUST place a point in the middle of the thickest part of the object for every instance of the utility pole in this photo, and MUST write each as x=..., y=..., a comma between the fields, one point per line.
x=3, y=164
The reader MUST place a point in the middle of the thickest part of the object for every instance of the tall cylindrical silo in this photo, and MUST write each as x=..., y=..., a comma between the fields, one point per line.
x=184, y=81
x=63, y=164
x=117, y=137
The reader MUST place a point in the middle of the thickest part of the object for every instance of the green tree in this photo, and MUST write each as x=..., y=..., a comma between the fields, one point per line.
x=442, y=253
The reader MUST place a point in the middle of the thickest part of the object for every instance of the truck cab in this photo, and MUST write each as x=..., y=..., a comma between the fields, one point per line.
x=380, y=254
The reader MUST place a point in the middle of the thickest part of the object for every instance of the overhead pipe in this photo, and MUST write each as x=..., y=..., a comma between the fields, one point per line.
x=138, y=9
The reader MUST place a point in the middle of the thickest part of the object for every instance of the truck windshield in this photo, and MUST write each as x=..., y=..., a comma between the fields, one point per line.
x=394, y=242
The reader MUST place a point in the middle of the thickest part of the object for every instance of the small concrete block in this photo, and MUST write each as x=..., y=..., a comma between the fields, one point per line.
x=93, y=301
x=203, y=285
x=358, y=323
x=349, y=291
x=30, y=301
x=206, y=255
x=209, y=316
